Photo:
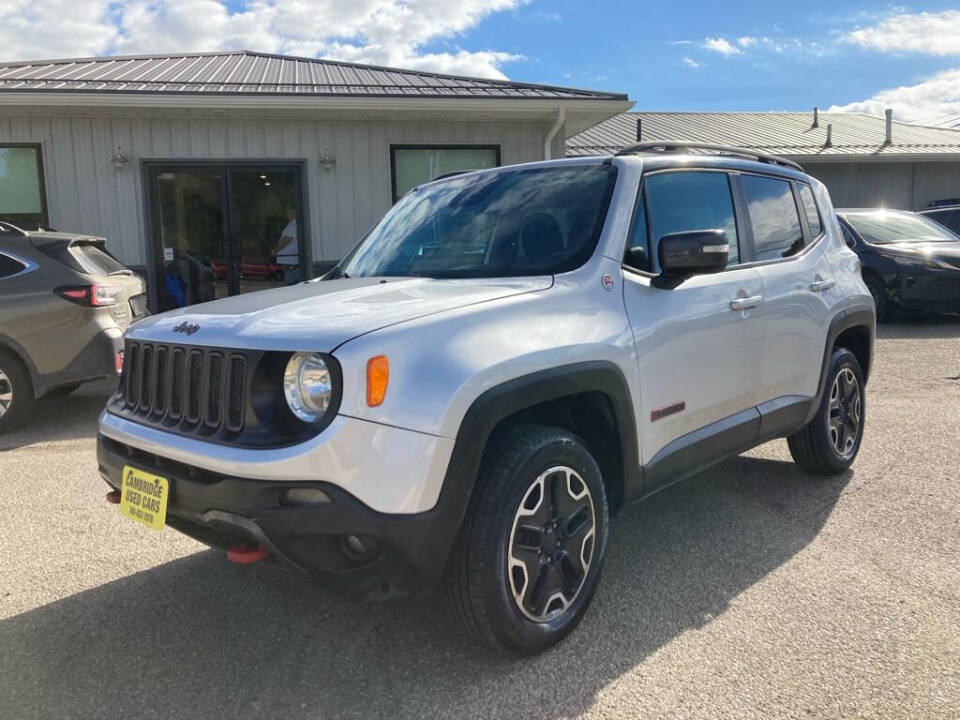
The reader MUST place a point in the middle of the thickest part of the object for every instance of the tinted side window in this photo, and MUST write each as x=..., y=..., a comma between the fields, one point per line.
x=9, y=266
x=947, y=218
x=810, y=208
x=773, y=217
x=682, y=201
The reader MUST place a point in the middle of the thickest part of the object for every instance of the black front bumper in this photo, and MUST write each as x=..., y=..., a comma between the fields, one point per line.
x=924, y=291
x=407, y=553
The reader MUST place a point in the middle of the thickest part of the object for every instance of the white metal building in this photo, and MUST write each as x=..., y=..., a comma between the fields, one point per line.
x=214, y=155
x=864, y=160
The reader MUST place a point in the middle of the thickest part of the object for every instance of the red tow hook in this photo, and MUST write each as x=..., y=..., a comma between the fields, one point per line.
x=113, y=497
x=243, y=555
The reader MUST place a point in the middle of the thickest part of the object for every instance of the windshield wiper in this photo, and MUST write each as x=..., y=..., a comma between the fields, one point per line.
x=336, y=274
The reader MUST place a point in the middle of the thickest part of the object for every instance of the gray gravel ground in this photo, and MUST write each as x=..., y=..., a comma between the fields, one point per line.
x=748, y=591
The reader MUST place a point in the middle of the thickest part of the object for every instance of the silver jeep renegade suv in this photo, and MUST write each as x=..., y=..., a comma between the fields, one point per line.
x=508, y=359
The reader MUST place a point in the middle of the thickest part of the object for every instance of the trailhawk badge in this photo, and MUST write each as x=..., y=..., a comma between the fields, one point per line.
x=188, y=328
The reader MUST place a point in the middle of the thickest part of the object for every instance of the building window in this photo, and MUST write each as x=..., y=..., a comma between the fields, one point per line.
x=22, y=197
x=412, y=165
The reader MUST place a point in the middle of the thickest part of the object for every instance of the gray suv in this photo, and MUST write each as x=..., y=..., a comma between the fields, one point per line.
x=502, y=364
x=64, y=304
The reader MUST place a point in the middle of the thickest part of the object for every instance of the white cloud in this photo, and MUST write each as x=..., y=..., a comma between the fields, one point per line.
x=925, y=32
x=721, y=45
x=927, y=101
x=689, y=62
x=54, y=28
x=746, y=41
x=383, y=32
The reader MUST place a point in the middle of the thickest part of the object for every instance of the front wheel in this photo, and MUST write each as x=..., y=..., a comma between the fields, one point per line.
x=879, y=294
x=829, y=444
x=528, y=557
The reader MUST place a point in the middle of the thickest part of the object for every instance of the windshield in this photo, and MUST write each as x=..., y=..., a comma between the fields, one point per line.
x=884, y=228
x=535, y=221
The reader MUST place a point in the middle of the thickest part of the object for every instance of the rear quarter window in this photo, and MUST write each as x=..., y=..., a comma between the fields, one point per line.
x=810, y=208
x=10, y=266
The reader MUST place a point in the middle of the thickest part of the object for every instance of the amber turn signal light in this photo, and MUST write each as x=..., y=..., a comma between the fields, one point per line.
x=378, y=372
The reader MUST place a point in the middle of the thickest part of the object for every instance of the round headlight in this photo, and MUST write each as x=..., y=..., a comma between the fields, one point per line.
x=307, y=386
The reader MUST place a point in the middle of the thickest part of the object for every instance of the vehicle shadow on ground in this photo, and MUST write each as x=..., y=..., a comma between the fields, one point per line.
x=198, y=637
x=73, y=417
x=912, y=327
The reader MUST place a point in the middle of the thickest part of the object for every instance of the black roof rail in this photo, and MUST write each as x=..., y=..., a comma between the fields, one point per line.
x=680, y=146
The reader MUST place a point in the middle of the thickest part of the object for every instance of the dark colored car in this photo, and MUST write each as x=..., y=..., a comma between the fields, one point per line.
x=947, y=215
x=64, y=304
x=910, y=263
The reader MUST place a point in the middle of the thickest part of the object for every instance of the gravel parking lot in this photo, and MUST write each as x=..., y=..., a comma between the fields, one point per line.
x=750, y=591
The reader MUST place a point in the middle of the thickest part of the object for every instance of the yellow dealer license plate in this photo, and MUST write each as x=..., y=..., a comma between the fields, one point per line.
x=143, y=497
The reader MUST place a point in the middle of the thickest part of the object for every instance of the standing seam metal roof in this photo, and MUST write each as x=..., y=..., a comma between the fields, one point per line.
x=779, y=133
x=245, y=72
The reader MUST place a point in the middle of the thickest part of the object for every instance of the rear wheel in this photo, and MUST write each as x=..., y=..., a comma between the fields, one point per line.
x=528, y=557
x=829, y=444
x=16, y=392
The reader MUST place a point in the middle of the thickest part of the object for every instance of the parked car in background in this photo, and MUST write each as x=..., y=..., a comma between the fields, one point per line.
x=507, y=359
x=909, y=262
x=947, y=213
x=64, y=304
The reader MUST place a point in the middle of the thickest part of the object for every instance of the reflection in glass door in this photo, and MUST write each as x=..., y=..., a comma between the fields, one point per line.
x=220, y=230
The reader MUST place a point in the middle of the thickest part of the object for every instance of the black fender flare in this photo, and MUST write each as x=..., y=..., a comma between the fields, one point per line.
x=855, y=317
x=502, y=401
x=11, y=345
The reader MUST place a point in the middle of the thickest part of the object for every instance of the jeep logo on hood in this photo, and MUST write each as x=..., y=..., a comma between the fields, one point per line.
x=186, y=327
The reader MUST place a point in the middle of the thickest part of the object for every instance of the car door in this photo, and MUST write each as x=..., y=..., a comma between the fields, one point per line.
x=784, y=230
x=697, y=343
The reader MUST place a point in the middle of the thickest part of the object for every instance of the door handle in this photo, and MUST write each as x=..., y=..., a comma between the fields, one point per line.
x=821, y=285
x=745, y=303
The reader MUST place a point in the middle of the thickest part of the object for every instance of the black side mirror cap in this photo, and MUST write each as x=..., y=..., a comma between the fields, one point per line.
x=693, y=252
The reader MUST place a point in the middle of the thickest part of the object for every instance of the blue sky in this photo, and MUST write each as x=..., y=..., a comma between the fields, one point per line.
x=655, y=51
x=697, y=55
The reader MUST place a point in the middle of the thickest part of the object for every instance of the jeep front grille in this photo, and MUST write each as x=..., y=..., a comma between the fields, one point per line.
x=185, y=388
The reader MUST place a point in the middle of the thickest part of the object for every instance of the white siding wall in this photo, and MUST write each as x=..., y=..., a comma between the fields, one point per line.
x=898, y=185
x=85, y=193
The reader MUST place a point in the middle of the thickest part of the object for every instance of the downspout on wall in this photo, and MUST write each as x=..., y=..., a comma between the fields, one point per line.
x=552, y=133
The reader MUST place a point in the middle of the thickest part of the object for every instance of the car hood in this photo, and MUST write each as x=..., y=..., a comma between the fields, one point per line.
x=319, y=316
x=923, y=249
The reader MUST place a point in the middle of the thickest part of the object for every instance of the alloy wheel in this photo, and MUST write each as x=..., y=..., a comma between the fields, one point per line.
x=551, y=544
x=6, y=393
x=843, y=420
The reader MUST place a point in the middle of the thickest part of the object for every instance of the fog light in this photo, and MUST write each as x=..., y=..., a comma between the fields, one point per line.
x=359, y=548
x=306, y=496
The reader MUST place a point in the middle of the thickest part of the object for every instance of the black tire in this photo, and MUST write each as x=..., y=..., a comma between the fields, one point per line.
x=480, y=580
x=62, y=391
x=815, y=448
x=16, y=392
x=879, y=293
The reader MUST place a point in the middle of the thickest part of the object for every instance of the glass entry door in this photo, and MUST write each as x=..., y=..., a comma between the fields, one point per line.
x=219, y=230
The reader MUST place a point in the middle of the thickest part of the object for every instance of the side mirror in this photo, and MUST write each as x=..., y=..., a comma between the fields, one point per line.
x=694, y=252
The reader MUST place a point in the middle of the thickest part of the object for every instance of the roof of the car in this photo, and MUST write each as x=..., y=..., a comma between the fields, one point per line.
x=651, y=161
